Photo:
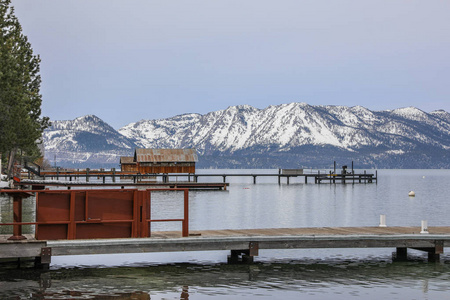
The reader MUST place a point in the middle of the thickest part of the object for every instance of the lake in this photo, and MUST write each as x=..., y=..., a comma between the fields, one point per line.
x=276, y=274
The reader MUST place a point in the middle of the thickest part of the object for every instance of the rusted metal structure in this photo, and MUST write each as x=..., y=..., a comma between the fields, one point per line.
x=127, y=164
x=91, y=214
x=157, y=161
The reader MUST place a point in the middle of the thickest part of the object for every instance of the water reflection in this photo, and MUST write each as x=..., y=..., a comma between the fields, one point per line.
x=180, y=281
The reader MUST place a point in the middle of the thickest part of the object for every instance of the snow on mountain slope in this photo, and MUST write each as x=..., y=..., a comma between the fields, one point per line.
x=285, y=133
x=292, y=125
x=85, y=139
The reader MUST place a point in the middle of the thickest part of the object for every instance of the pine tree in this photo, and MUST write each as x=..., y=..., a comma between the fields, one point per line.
x=21, y=124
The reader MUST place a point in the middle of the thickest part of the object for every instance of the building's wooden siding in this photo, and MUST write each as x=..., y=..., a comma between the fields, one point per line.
x=129, y=168
x=166, y=168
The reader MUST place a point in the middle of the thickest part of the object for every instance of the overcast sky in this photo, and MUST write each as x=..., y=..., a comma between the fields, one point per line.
x=143, y=59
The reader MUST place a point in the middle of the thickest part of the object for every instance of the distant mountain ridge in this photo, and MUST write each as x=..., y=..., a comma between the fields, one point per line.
x=288, y=136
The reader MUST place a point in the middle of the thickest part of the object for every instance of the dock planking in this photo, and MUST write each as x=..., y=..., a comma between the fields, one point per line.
x=243, y=242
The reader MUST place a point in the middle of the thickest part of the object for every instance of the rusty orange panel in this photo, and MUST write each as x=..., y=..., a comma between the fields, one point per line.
x=103, y=231
x=51, y=232
x=90, y=214
x=110, y=205
x=80, y=206
x=53, y=207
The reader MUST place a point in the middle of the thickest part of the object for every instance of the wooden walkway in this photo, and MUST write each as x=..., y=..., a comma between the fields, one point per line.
x=39, y=184
x=243, y=244
x=330, y=177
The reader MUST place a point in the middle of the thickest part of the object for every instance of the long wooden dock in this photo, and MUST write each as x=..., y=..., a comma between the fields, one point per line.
x=243, y=244
x=39, y=184
x=318, y=177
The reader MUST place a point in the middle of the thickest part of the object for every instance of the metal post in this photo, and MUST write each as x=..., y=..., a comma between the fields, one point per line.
x=186, y=214
x=17, y=218
x=113, y=174
x=87, y=174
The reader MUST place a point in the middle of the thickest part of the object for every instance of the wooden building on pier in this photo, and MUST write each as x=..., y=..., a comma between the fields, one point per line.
x=157, y=161
x=127, y=164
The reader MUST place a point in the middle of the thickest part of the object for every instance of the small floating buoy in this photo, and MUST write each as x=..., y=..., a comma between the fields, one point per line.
x=423, y=177
x=411, y=194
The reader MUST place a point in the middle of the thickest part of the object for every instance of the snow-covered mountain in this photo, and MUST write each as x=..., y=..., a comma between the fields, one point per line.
x=289, y=136
x=85, y=142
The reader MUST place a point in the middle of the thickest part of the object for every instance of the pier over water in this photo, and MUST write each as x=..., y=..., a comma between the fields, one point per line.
x=77, y=222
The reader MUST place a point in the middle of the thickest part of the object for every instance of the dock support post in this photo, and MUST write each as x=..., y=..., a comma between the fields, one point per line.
x=57, y=173
x=87, y=174
x=245, y=256
x=254, y=179
x=306, y=179
x=224, y=178
x=433, y=257
x=113, y=174
x=43, y=262
x=401, y=254
x=279, y=176
x=287, y=179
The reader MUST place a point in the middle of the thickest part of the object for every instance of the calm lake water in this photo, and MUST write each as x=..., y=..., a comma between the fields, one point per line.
x=276, y=274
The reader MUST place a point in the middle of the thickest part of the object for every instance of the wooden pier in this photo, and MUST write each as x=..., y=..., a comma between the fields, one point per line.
x=82, y=222
x=318, y=178
x=243, y=245
x=35, y=184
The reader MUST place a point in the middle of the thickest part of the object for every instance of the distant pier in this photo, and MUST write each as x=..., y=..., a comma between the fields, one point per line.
x=190, y=180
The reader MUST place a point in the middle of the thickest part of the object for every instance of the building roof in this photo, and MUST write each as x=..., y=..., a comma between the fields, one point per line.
x=165, y=155
x=127, y=160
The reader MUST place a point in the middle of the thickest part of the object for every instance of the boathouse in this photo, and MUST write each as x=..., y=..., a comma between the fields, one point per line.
x=127, y=164
x=157, y=161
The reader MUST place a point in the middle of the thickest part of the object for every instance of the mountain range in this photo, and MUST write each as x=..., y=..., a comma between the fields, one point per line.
x=295, y=135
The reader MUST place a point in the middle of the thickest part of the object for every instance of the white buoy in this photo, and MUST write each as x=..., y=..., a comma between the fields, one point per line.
x=382, y=220
x=411, y=194
x=424, y=227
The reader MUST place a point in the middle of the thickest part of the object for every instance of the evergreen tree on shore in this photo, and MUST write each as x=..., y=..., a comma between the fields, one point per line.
x=21, y=124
